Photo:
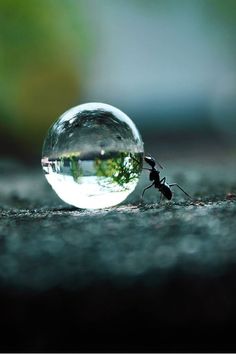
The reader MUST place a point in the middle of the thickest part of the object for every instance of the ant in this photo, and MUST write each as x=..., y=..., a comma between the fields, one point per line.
x=158, y=183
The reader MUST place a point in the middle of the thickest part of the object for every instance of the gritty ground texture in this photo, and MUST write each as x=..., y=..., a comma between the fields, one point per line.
x=144, y=276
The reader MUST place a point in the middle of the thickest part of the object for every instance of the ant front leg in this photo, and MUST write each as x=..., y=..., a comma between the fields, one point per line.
x=146, y=189
x=176, y=185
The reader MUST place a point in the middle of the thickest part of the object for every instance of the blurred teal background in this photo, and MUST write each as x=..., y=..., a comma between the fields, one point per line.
x=170, y=65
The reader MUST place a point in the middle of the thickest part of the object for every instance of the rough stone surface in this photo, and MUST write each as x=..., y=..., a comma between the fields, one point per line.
x=141, y=276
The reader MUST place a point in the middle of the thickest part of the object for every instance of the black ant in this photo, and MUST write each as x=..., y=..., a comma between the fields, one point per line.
x=158, y=183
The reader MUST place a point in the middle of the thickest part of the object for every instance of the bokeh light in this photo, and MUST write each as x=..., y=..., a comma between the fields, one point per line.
x=170, y=65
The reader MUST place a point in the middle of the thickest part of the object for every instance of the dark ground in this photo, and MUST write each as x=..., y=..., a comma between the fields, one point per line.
x=137, y=277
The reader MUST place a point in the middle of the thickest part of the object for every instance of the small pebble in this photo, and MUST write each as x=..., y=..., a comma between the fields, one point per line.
x=230, y=196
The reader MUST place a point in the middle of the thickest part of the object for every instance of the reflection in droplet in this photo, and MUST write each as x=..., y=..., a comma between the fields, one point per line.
x=86, y=163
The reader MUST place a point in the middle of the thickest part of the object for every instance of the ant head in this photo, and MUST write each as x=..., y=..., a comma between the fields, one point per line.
x=150, y=160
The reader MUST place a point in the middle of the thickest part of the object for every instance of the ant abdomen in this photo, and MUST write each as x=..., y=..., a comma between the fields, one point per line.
x=165, y=190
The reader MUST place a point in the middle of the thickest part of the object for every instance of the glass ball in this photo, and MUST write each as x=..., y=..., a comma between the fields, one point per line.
x=93, y=156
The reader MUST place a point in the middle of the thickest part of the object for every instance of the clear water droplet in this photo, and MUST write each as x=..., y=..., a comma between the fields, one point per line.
x=92, y=156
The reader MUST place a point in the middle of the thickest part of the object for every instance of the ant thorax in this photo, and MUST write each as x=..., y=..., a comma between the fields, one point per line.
x=154, y=176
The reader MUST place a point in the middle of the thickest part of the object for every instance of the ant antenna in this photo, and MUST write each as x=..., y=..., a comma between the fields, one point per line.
x=159, y=165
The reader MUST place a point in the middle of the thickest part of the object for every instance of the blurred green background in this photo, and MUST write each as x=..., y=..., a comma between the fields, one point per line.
x=170, y=65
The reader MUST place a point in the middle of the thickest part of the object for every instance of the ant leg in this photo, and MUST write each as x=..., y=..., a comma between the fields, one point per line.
x=161, y=195
x=146, y=189
x=163, y=180
x=176, y=184
x=144, y=168
x=135, y=159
